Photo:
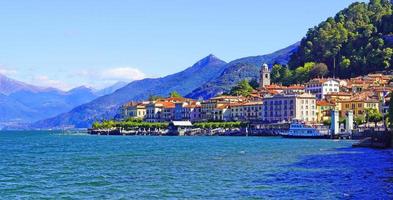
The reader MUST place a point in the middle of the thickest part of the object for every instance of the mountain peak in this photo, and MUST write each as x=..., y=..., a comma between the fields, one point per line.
x=9, y=85
x=210, y=59
x=82, y=88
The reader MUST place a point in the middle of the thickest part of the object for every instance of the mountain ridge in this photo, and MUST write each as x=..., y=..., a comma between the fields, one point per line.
x=240, y=69
x=209, y=69
x=106, y=106
x=23, y=103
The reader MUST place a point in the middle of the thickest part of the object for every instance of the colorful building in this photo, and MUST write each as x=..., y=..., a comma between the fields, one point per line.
x=283, y=107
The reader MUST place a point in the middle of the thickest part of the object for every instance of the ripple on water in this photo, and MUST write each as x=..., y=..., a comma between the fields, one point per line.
x=40, y=164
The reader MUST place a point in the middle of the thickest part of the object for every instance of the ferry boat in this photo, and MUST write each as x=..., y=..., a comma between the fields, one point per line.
x=300, y=130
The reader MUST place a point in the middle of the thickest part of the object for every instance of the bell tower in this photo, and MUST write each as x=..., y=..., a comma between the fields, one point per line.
x=264, y=76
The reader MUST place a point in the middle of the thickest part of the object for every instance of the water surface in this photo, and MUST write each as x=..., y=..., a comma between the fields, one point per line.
x=47, y=164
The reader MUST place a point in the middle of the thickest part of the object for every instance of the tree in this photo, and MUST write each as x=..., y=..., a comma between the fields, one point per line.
x=281, y=74
x=352, y=42
x=359, y=120
x=373, y=115
x=175, y=94
x=155, y=97
x=319, y=70
x=275, y=74
x=327, y=122
x=254, y=83
x=243, y=88
x=302, y=73
x=96, y=125
x=345, y=63
x=286, y=76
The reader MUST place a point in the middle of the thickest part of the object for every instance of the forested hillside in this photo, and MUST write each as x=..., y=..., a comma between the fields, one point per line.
x=357, y=41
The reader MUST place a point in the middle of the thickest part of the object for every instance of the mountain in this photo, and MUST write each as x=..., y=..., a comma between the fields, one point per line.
x=356, y=41
x=22, y=103
x=9, y=86
x=183, y=82
x=240, y=69
x=11, y=109
x=111, y=89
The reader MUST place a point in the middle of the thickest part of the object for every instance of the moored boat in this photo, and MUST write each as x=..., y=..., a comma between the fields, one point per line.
x=301, y=130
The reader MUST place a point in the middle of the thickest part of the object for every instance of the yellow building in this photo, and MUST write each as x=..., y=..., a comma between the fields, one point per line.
x=134, y=110
x=358, y=106
x=324, y=109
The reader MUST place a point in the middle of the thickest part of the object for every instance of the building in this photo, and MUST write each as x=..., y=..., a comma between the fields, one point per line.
x=153, y=112
x=249, y=111
x=209, y=107
x=334, y=96
x=321, y=87
x=264, y=76
x=294, y=89
x=187, y=111
x=282, y=107
x=193, y=113
x=134, y=110
x=221, y=113
x=358, y=105
x=324, y=109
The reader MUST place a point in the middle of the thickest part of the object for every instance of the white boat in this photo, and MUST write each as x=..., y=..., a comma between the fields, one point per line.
x=301, y=130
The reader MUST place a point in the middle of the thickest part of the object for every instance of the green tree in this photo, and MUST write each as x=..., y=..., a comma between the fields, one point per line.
x=275, y=74
x=373, y=115
x=286, y=76
x=175, y=94
x=344, y=64
x=302, y=73
x=351, y=43
x=243, y=88
x=327, y=122
x=154, y=97
x=359, y=120
x=254, y=83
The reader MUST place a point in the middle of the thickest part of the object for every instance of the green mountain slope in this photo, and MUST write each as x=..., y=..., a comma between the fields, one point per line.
x=356, y=41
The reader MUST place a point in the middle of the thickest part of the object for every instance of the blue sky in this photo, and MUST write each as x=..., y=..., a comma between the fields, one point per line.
x=98, y=42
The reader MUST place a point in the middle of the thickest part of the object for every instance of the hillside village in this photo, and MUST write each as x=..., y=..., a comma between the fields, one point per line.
x=311, y=102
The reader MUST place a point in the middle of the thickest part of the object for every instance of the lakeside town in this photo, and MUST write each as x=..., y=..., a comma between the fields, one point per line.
x=356, y=104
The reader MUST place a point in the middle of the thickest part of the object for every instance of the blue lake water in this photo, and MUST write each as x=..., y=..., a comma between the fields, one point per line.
x=37, y=165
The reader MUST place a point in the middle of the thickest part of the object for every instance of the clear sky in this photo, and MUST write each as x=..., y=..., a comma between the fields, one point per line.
x=98, y=42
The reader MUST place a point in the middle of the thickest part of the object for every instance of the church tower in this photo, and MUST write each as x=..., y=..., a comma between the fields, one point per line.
x=264, y=76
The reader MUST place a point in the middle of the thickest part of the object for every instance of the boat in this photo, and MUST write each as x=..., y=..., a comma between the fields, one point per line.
x=301, y=130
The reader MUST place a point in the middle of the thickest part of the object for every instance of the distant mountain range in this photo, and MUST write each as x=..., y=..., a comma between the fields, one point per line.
x=23, y=103
x=107, y=106
x=206, y=78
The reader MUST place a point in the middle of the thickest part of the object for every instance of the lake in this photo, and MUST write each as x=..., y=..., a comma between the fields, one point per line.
x=37, y=165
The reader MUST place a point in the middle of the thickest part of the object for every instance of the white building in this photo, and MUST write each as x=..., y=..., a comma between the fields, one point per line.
x=282, y=107
x=321, y=87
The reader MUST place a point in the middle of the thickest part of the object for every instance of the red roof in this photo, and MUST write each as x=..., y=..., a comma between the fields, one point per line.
x=324, y=103
x=168, y=104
